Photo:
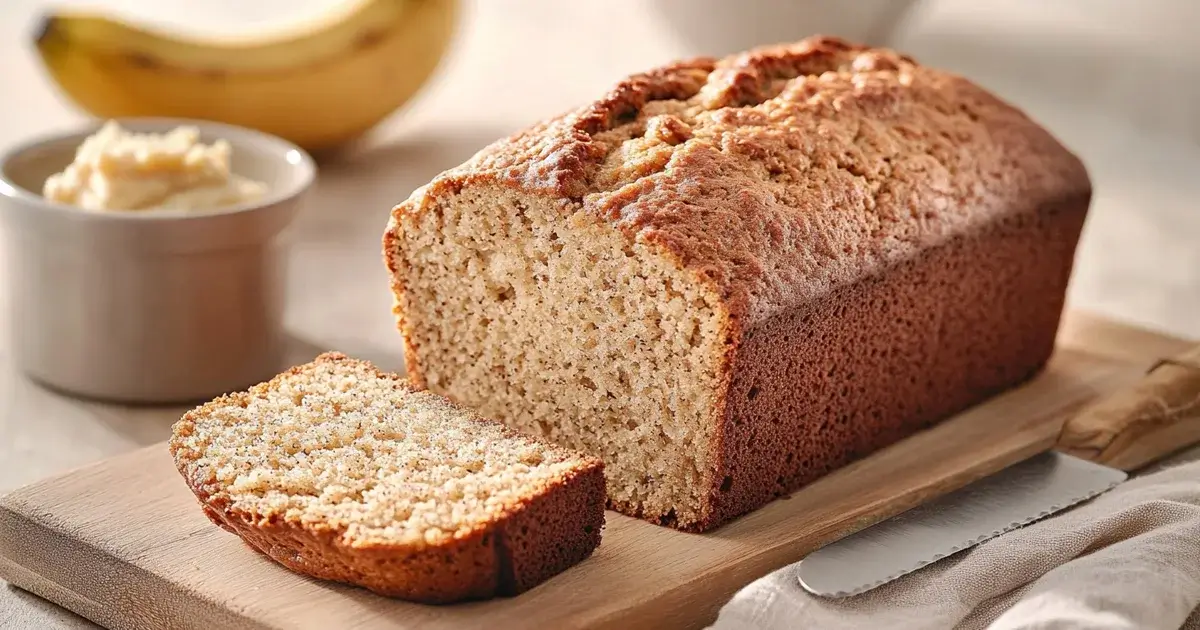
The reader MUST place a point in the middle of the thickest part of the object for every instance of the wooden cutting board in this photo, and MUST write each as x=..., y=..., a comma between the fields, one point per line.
x=123, y=542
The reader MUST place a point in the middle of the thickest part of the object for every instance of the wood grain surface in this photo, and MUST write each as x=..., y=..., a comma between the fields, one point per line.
x=123, y=543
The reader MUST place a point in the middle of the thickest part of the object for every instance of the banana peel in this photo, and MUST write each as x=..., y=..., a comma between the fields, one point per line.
x=320, y=86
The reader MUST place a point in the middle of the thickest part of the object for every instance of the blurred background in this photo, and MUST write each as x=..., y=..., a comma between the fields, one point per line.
x=1116, y=80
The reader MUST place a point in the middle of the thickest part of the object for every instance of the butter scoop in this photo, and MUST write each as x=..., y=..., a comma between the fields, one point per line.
x=118, y=170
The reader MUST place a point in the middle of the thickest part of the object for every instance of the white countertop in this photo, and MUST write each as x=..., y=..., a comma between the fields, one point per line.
x=1139, y=260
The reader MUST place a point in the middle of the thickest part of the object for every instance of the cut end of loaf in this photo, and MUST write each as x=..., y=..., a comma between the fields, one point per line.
x=343, y=472
x=558, y=325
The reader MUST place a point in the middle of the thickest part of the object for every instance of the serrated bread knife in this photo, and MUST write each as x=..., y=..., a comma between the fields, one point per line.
x=1121, y=432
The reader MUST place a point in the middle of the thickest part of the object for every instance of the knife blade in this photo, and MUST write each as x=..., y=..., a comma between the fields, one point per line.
x=1014, y=497
x=1132, y=427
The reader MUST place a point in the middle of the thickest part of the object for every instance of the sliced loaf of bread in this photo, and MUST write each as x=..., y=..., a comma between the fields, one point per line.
x=730, y=277
x=339, y=471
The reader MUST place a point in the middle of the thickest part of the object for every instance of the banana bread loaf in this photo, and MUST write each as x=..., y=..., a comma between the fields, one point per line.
x=338, y=471
x=728, y=278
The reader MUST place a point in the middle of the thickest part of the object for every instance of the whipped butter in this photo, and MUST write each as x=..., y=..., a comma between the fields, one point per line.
x=118, y=170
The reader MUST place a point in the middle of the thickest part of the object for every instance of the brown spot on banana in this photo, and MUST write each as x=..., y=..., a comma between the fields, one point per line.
x=150, y=62
x=370, y=38
x=143, y=60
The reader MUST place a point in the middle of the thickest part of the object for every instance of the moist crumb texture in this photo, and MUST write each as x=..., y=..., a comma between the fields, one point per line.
x=729, y=277
x=345, y=473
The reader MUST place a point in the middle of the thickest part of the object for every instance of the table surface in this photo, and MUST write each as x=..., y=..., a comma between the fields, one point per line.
x=1137, y=263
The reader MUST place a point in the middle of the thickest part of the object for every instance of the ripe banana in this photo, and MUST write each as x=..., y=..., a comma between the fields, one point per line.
x=319, y=86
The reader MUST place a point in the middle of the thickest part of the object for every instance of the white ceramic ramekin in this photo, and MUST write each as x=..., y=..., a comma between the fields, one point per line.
x=149, y=307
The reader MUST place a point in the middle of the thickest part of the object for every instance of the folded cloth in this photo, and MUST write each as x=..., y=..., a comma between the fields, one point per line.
x=1127, y=560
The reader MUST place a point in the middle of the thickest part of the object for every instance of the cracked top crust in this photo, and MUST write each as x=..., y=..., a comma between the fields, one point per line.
x=780, y=173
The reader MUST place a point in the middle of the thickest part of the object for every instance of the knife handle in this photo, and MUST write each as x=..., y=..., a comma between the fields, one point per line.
x=1143, y=422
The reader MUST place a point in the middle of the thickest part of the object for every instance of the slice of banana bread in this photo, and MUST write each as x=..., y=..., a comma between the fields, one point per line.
x=341, y=472
x=729, y=277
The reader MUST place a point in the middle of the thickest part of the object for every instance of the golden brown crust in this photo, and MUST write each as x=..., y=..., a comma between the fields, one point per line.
x=859, y=153
x=819, y=387
x=521, y=547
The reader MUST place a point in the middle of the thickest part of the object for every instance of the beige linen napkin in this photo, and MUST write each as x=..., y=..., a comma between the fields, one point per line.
x=1127, y=560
